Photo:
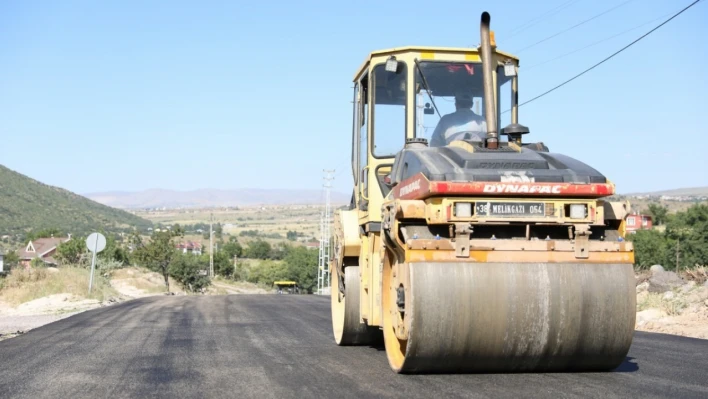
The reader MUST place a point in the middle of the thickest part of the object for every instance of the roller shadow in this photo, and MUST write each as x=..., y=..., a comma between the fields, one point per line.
x=628, y=366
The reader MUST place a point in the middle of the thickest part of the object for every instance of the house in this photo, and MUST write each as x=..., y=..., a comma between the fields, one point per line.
x=42, y=248
x=190, y=247
x=638, y=222
x=312, y=245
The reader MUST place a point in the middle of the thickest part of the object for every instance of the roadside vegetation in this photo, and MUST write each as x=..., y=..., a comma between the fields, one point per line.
x=22, y=285
x=680, y=243
x=28, y=204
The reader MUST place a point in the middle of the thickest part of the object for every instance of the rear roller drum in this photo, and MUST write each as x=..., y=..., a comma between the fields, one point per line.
x=490, y=317
x=345, y=311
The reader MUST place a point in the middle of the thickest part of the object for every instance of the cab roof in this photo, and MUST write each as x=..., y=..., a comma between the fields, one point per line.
x=424, y=49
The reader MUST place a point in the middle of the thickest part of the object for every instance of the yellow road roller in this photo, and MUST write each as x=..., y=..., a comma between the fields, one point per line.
x=466, y=248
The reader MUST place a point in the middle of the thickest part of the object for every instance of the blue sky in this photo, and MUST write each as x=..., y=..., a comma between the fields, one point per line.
x=182, y=95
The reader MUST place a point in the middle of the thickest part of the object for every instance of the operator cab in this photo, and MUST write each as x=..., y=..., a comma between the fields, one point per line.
x=430, y=93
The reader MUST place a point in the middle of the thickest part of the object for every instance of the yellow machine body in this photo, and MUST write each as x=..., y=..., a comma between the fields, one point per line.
x=447, y=290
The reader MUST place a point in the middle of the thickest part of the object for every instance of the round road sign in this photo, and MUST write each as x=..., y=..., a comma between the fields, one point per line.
x=96, y=242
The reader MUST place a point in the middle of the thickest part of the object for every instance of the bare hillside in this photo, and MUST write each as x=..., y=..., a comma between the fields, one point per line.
x=205, y=198
x=678, y=192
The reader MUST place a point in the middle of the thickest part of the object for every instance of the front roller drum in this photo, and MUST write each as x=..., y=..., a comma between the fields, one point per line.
x=492, y=317
x=346, y=325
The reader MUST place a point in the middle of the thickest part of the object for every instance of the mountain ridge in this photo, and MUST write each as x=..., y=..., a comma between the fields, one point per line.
x=27, y=204
x=209, y=197
x=677, y=192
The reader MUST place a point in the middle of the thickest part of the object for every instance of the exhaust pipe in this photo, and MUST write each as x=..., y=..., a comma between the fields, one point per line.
x=489, y=104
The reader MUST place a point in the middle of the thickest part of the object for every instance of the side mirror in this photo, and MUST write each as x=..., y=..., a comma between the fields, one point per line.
x=428, y=110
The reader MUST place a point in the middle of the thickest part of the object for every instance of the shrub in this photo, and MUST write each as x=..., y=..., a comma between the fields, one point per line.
x=188, y=269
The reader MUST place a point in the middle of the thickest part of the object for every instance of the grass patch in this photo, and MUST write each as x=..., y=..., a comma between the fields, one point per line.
x=144, y=279
x=649, y=300
x=699, y=274
x=243, y=285
x=22, y=285
x=654, y=300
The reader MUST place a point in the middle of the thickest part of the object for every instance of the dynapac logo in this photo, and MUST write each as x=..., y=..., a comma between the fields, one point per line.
x=409, y=188
x=521, y=188
x=507, y=165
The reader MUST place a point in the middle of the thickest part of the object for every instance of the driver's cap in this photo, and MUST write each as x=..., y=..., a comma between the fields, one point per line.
x=463, y=97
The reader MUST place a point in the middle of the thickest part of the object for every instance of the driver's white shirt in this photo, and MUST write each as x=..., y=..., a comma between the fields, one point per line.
x=462, y=120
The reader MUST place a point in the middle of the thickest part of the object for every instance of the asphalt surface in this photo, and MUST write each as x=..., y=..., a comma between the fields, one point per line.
x=280, y=346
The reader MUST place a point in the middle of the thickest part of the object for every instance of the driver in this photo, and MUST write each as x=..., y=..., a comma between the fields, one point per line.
x=454, y=126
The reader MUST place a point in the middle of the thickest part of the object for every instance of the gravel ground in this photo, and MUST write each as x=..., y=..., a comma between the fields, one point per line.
x=10, y=325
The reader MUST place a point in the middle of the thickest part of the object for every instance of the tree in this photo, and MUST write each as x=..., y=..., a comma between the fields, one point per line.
x=113, y=250
x=157, y=254
x=73, y=251
x=44, y=233
x=291, y=235
x=218, y=231
x=267, y=272
x=650, y=248
x=302, y=267
x=232, y=248
x=187, y=270
x=258, y=249
x=658, y=213
x=687, y=234
x=10, y=260
x=223, y=264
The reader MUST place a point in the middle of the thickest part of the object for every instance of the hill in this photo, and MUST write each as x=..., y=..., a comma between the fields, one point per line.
x=678, y=192
x=27, y=204
x=206, y=198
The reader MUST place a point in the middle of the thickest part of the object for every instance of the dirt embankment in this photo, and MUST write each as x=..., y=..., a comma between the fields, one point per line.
x=667, y=303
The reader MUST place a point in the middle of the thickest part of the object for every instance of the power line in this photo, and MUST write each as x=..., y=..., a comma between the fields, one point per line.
x=574, y=26
x=611, y=56
x=555, y=10
x=526, y=69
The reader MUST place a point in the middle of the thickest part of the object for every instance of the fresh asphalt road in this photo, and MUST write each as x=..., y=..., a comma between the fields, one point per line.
x=279, y=346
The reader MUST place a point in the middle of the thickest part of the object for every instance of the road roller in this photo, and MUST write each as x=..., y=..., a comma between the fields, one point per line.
x=468, y=248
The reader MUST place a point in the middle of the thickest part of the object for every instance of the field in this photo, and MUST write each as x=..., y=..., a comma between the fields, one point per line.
x=642, y=204
x=270, y=222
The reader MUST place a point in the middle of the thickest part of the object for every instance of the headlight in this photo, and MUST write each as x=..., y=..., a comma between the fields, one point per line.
x=463, y=209
x=577, y=211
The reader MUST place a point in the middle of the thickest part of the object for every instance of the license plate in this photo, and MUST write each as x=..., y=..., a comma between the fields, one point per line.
x=510, y=209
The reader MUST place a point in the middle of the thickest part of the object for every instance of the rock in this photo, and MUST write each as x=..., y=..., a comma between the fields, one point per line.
x=642, y=287
x=642, y=296
x=702, y=293
x=657, y=269
x=649, y=315
x=686, y=288
x=664, y=281
x=693, y=298
x=668, y=295
x=52, y=270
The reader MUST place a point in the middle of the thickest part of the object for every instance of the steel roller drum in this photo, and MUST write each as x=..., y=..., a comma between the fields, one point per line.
x=491, y=317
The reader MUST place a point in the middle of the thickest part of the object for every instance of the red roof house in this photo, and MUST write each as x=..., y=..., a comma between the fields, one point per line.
x=42, y=248
x=190, y=246
x=638, y=222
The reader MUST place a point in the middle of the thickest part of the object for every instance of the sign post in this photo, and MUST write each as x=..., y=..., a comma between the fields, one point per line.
x=96, y=243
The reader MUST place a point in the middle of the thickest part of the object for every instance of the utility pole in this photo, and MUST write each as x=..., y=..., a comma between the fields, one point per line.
x=320, y=258
x=323, y=268
x=211, y=245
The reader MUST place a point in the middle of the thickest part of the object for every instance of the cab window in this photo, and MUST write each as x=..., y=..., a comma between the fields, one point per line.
x=389, y=111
